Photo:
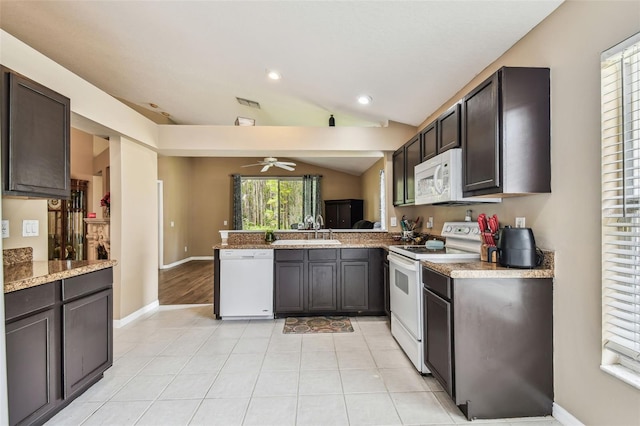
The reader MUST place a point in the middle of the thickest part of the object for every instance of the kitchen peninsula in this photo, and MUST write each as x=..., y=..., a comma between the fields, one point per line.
x=59, y=331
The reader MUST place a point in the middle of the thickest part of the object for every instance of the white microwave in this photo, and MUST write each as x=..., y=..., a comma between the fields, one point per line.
x=439, y=181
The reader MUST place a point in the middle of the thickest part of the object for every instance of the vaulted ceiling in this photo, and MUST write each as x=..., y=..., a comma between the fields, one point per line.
x=193, y=58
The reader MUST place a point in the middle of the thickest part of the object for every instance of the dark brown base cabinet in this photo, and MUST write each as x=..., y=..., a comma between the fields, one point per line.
x=328, y=281
x=59, y=340
x=489, y=342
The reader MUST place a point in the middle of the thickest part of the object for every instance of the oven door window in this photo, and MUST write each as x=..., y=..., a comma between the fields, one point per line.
x=402, y=282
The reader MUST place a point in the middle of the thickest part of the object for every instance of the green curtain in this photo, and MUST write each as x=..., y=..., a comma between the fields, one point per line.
x=311, y=195
x=237, y=202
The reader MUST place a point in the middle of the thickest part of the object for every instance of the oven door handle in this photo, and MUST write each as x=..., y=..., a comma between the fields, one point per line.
x=403, y=263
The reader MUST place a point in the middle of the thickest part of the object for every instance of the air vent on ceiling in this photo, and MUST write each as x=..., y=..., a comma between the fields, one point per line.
x=247, y=102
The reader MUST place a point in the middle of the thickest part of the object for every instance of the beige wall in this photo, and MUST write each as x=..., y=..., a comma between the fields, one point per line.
x=134, y=230
x=210, y=190
x=15, y=210
x=371, y=191
x=175, y=174
x=569, y=42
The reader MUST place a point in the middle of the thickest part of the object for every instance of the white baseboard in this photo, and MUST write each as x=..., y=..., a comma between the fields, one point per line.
x=137, y=314
x=564, y=417
x=174, y=307
x=188, y=259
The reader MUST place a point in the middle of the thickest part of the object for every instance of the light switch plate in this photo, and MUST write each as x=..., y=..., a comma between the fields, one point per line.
x=30, y=228
x=5, y=229
x=520, y=222
x=394, y=221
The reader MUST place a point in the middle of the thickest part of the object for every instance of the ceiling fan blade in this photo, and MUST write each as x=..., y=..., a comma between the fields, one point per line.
x=286, y=163
x=283, y=166
x=265, y=168
x=250, y=165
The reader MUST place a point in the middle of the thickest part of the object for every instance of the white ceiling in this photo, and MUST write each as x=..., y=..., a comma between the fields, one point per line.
x=193, y=58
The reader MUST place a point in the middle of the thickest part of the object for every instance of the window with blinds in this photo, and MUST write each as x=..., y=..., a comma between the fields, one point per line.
x=620, y=80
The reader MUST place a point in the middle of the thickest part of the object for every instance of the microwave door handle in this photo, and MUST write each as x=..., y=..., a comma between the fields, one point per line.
x=437, y=180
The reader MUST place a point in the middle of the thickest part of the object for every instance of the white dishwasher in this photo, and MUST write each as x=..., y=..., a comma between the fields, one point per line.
x=246, y=283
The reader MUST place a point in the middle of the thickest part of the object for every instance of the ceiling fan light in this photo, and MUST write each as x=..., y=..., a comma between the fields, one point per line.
x=364, y=99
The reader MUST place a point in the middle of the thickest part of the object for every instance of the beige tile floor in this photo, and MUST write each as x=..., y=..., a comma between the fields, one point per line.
x=182, y=367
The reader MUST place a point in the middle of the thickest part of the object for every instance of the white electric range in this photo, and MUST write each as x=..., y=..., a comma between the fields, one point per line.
x=405, y=281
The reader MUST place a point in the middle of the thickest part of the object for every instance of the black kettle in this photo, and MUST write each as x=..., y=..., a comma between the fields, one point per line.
x=517, y=248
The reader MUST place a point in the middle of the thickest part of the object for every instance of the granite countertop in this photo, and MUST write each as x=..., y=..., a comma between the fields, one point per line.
x=21, y=275
x=488, y=270
x=372, y=244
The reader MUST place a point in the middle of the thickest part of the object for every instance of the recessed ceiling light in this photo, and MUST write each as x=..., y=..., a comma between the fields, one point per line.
x=274, y=75
x=364, y=99
x=152, y=105
x=166, y=114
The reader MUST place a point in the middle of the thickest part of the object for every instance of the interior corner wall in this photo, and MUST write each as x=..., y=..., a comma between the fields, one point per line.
x=175, y=174
x=371, y=191
x=134, y=241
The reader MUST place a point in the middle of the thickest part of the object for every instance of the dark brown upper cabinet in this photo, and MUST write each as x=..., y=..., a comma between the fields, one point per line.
x=442, y=134
x=449, y=129
x=404, y=161
x=429, y=137
x=35, y=139
x=506, y=134
x=413, y=158
x=398, y=177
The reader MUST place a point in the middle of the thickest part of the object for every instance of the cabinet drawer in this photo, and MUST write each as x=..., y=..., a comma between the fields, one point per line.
x=438, y=283
x=323, y=254
x=289, y=255
x=354, y=254
x=86, y=283
x=23, y=302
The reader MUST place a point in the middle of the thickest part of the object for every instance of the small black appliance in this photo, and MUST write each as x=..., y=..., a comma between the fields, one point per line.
x=517, y=248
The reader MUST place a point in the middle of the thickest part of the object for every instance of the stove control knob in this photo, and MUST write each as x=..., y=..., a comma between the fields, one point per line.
x=476, y=231
x=448, y=228
x=465, y=230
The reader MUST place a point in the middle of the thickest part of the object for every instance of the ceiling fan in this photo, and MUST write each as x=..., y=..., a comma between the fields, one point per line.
x=270, y=162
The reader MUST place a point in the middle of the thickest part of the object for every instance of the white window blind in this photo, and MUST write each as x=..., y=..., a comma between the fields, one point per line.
x=620, y=80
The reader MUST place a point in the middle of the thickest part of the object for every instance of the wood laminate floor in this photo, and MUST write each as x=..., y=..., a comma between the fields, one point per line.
x=189, y=283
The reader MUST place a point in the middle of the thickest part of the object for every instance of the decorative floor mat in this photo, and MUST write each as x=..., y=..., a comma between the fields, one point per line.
x=300, y=325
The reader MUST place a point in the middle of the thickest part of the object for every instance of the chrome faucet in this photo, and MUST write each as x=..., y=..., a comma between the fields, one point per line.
x=319, y=223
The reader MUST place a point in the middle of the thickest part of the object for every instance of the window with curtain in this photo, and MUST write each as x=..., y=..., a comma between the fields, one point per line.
x=271, y=202
x=620, y=82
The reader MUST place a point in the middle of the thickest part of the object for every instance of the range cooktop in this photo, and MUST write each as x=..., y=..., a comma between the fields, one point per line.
x=463, y=244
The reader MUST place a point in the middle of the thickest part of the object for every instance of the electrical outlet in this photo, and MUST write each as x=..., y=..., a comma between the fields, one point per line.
x=225, y=223
x=30, y=228
x=172, y=224
x=430, y=222
x=185, y=249
x=394, y=221
x=520, y=222
x=5, y=229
